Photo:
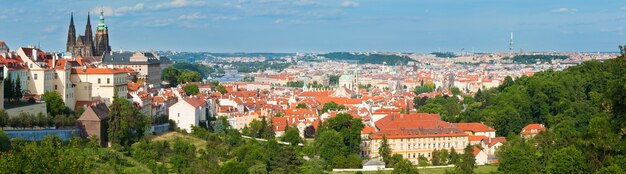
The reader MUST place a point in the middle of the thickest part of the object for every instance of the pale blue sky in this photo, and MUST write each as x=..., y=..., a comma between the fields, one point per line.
x=324, y=25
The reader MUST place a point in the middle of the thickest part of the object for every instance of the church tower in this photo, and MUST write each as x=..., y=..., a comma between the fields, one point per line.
x=71, y=36
x=88, y=42
x=102, y=37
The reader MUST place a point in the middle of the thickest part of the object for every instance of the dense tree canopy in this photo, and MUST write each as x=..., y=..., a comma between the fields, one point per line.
x=582, y=107
x=126, y=124
x=331, y=106
x=191, y=89
x=54, y=103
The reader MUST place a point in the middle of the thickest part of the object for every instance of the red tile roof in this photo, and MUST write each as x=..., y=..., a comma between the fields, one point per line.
x=474, y=127
x=98, y=71
x=528, y=129
x=368, y=130
x=476, y=151
x=195, y=102
x=415, y=125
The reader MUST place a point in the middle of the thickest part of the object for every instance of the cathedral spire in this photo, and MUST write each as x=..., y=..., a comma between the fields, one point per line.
x=72, y=19
x=88, y=42
x=71, y=35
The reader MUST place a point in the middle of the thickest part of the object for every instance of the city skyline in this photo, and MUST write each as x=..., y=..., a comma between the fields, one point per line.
x=325, y=26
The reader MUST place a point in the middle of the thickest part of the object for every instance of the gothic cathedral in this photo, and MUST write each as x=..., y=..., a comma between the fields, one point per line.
x=84, y=45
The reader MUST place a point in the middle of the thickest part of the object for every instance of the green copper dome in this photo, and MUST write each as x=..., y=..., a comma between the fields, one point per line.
x=101, y=24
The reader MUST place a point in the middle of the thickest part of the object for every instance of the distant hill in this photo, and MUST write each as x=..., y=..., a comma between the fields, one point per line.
x=266, y=55
x=444, y=54
x=365, y=58
x=531, y=59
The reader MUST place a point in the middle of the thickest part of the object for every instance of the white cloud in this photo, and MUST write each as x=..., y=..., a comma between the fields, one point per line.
x=3, y=17
x=192, y=16
x=120, y=11
x=622, y=8
x=178, y=4
x=306, y=3
x=564, y=10
x=126, y=9
x=349, y=4
x=108, y=11
x=224, y=18
x=278, y=21
x=50, y=29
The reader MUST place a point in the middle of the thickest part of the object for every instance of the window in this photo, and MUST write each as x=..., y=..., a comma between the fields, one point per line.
x=56, y=87
x=98, y=80
x=108, y=80
x=35, y=77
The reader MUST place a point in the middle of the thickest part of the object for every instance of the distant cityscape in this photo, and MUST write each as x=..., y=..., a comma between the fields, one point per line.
x=349, y=111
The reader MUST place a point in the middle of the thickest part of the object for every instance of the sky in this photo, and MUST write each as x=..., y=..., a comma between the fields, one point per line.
x=420, y=26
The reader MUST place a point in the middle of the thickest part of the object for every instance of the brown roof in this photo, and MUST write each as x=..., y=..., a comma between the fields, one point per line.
x=97, y=112
x=474, y=127
x=195, y=102
x=528, y=129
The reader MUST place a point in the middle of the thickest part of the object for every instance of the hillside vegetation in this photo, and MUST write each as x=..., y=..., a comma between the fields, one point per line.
x=364, y=58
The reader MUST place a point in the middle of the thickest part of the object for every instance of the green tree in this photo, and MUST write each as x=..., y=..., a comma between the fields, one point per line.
x=468, y=161
x=404, y=167
x=191, y=89
x=5, y=143
x=425, y=88
x=385, y=151
x=4, y=118
x=333, y=79
x=455, y=91
x=125, y=124
x=567, y=160
x=287, y=161
x=170, y=74
x=221, y=89
x=329, y=145
x=331, y=106
x=9, y=91
x=350, y=130
x=435, y=159
x=233, y=167
x=258, y=168
x=189, y=76
x=445, y=155
x=313, y=166
x=518, y=157
x=301, y=106
x=54, y=103
x=18, y=89
x=292, y=135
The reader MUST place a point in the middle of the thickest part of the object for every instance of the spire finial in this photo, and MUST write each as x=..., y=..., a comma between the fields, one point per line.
x=72, y=18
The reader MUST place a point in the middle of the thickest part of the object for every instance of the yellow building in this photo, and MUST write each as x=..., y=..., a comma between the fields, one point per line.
x=47, y=72
x=102, y=83
x=412, y=135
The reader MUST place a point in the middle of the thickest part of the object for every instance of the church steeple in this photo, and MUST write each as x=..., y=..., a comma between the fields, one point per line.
x=101, y=46
x=71, y=35
x=88, y=37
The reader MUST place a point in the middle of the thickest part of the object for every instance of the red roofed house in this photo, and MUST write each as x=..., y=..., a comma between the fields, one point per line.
x=46, y=72
x=480, y=156
x=412, y=135
x=188, y=112
x=102, y=83
x=477, y=129
x=531, y=130
x=365, y=137
x=143, y=102
x=93, y=122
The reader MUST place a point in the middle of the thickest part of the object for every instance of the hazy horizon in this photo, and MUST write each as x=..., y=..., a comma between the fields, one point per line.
x=281, y=26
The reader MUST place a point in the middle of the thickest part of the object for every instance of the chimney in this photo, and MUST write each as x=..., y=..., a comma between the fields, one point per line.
x=34, y=54
x=54, y=60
